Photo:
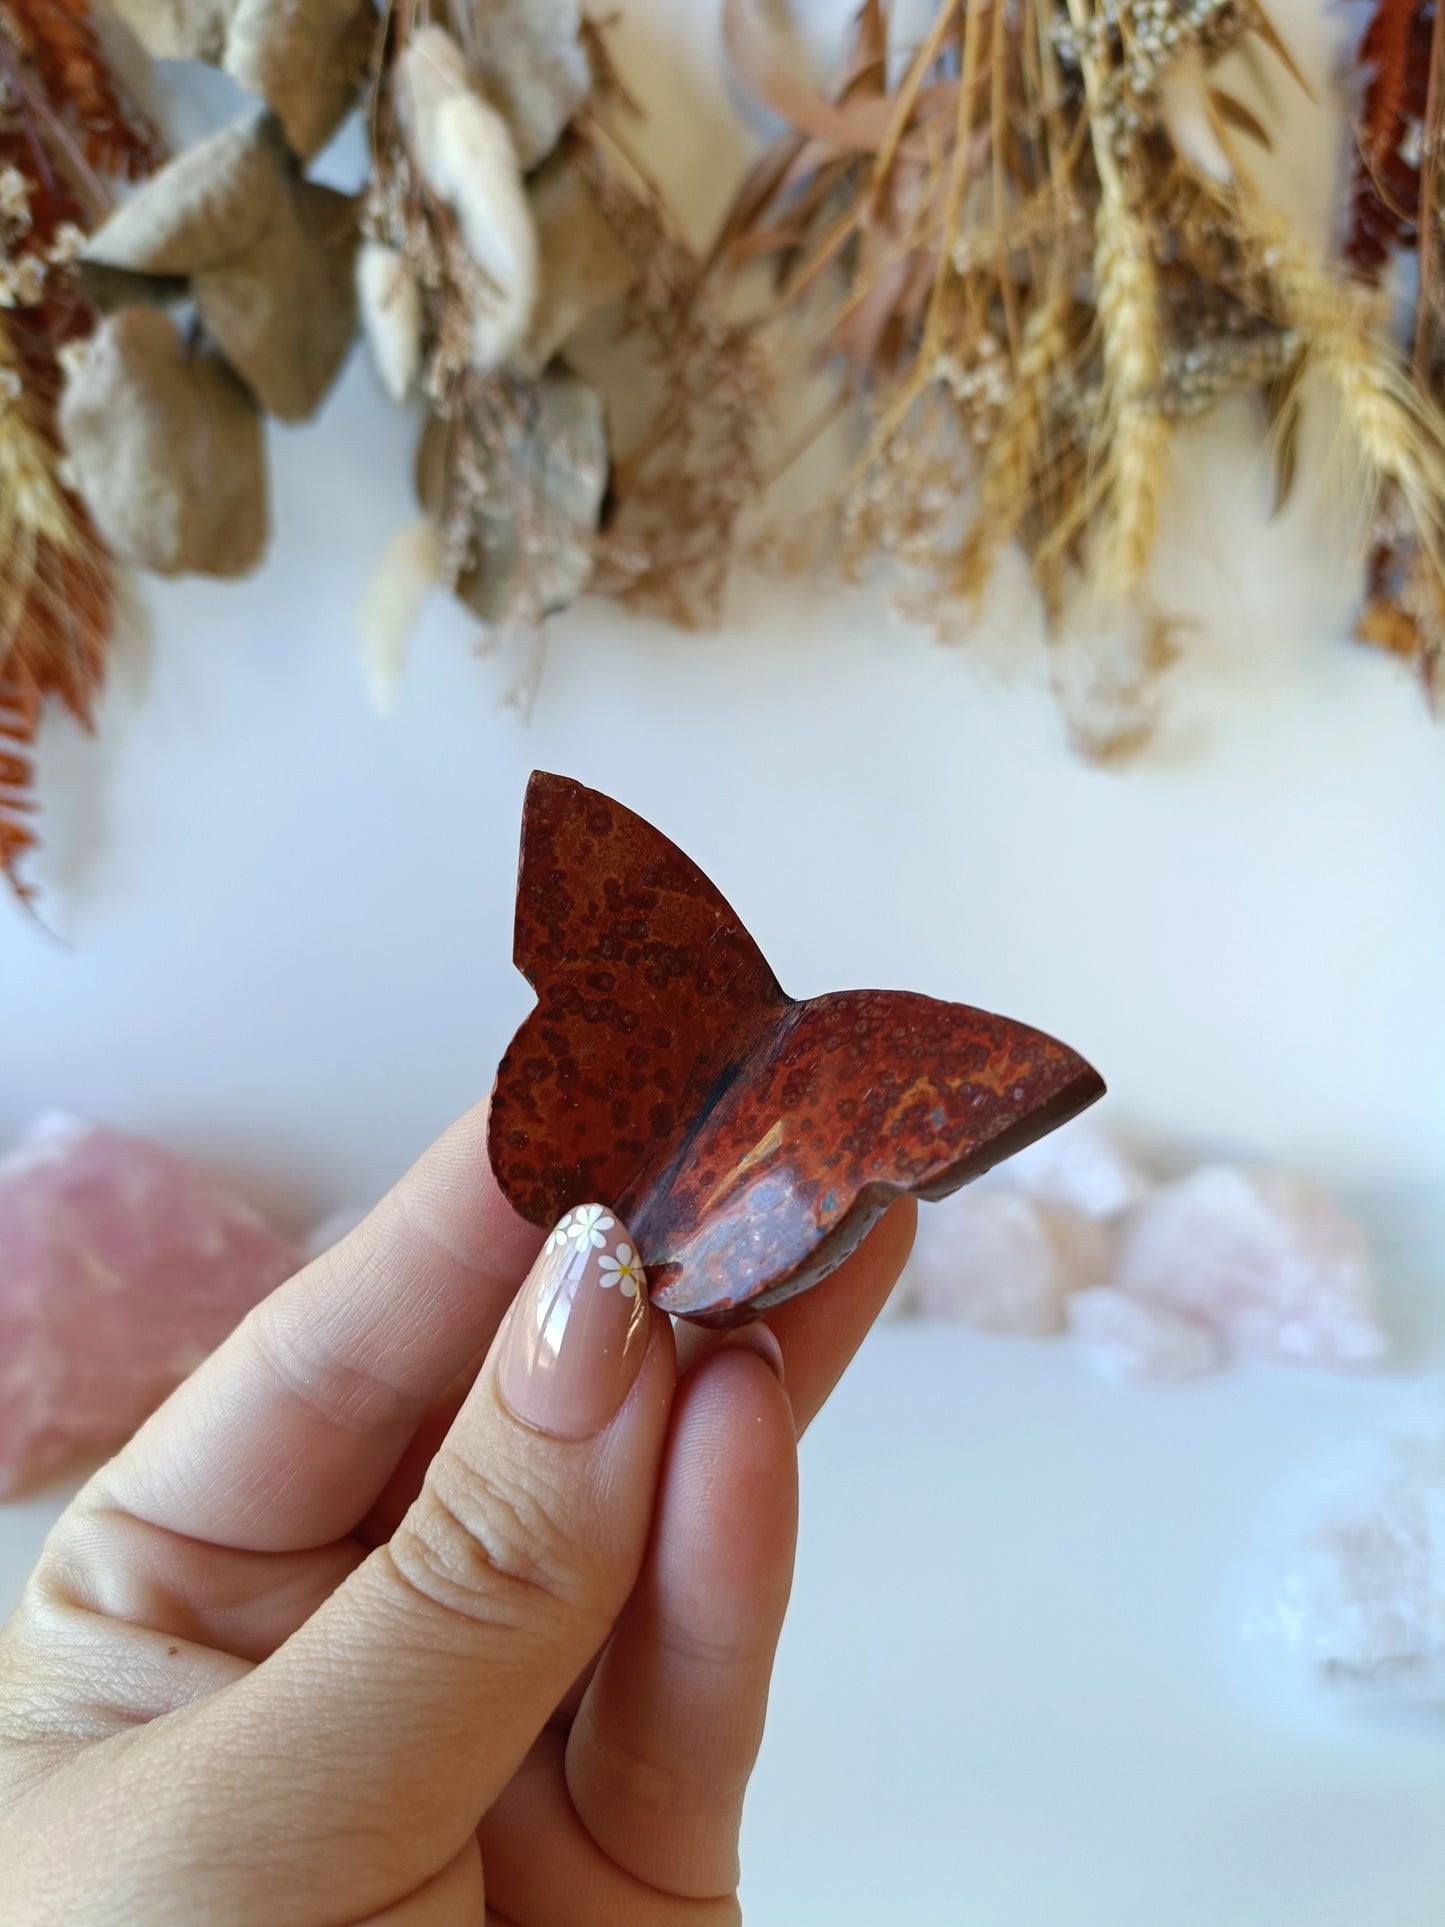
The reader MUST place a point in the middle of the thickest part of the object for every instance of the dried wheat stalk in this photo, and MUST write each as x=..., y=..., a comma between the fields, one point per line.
x=1028, y=257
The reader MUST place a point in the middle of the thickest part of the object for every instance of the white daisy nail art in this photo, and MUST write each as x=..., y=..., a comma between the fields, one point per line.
x=557, y=1236
x=623, y=1270
x=589, y=1222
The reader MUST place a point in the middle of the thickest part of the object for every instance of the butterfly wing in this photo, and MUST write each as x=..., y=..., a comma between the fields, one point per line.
x=649, y=991
x=853, y=1099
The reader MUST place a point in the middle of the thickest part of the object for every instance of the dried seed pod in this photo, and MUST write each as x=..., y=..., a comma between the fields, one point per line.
x=411, y=566
x=166, y=449
x=391, y=313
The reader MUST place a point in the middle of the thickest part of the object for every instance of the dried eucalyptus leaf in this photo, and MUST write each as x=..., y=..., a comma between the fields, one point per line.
x=267, y=256
x=178, y=29
x=532, y=63
x=205, y=209
x=582, y=265
x=166, y=447
x=530, y=541
x=284, y=314
x=112, y=288
x=306, y=59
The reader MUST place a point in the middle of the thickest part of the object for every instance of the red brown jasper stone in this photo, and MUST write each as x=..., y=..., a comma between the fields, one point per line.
x=747, y=1140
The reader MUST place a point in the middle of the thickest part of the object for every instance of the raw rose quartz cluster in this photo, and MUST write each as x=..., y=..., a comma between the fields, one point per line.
x=1158, y=1281
x=1362, y=1597
x=121, y=1267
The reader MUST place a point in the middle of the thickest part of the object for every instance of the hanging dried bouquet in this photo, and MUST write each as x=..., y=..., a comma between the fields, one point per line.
x=1027, y=245
x=1033, y=247
x=505, y=214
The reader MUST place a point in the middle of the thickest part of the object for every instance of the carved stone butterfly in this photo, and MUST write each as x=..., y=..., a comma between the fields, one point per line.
x=747, y=1140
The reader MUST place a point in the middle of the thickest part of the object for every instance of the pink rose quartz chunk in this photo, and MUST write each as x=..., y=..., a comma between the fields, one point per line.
x=121, y=1267
x=991, y=1258
x=1130, y=1338
x=1362, y=1598
x=1080, y=1169
x=1270, y=1262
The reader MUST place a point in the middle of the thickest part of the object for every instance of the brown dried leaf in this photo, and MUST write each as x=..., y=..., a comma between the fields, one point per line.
x=858, y=126
x=268, y=256
x=514, y=481
x=1233, y=112
x=1261, y=24
x=179, y=29
x=167, y=450
x=307, y=59
x=207, y=208
x=531, y=58
x=1385, y=625
x=285, y=314
x=581, y=264
x=1282, y=410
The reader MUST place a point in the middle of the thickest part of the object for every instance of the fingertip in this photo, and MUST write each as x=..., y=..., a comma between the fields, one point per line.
x=759, y=1338
x=732, y=1467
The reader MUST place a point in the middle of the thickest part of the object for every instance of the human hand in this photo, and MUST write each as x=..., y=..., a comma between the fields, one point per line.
x=355, y=1630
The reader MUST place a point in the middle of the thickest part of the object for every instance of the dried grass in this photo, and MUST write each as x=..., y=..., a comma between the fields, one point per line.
x=1026, y=268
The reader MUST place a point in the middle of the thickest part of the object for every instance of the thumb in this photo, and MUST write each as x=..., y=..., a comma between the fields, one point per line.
x=401, y=1709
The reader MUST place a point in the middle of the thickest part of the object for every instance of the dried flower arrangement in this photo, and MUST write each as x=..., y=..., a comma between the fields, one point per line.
x=64, y=120
x=1031, y=244
x=506, y=212
x=1033, y=253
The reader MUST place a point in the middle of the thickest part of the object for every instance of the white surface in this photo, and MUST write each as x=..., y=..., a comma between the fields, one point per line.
x=1012, y=1692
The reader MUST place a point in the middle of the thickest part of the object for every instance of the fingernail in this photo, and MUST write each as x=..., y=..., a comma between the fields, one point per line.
x=575, y=1337
x=757, y=1337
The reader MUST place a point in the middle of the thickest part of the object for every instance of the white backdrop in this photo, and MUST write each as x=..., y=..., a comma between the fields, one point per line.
x=286, y=950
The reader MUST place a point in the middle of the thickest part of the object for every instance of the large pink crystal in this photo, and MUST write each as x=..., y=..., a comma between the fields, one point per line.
x=1363, y=1597
x=999, y=1261
x=1261, y=1256
x=1124, y=1337
x=121, y=1267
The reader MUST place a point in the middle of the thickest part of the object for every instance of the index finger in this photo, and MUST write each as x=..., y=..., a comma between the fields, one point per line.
x=285, y=1436
x=821, y=1329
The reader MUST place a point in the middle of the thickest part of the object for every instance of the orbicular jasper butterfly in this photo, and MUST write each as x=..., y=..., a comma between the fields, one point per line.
x=748, y=1141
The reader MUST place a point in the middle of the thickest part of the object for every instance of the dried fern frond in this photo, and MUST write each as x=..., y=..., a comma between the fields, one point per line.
x=1394, y=56
x=61, y=115
x=57, y=40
